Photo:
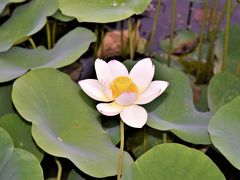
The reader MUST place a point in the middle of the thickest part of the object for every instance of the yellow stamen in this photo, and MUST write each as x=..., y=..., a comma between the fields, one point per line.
x=122, y=84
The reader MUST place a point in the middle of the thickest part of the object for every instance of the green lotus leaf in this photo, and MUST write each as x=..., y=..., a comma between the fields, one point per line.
x=68, y=49
x=65, y=122
x=25, y=21
x=174, y=109
x=184, y=42
x=102, y=11
x=59, y=16
x=20, y=132
x=17, y=163
x=4, y=3
x=224, y=129
x=233, y=62
x=5, y=99
x=222, y=88
x=173, y=161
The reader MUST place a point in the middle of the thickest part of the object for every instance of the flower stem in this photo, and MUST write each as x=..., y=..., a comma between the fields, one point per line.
x=130, y=39
x=226, y=37
x=48, y=35
x=144, y=139
x=120, y=161
x=223, y=13
x=172, y=32
x=59, y=174
x=154, y=26
x=32, y=42
x=213, y=34
x=164, y=137
x=238, y=69
x=201, y=39
x=54, y=32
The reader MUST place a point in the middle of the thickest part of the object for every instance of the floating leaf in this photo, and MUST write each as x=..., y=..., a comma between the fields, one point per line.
x=68, y=49
x=59, y=16
x=4, y=3
x=184, y=42
x=20, y=132
x=5, y=99
x=25, y=21
x=173, y=161
x=224, y=129
x=102, y=11
x=233, y=62
x=174, y=109
x=222, y=88
x=65, y=122
x=17, y=163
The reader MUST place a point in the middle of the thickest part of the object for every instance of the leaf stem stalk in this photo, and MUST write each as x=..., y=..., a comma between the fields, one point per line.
x=172, y=32
x=120, y=161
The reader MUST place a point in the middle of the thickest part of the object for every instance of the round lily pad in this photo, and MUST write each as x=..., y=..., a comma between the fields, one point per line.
x=65, y=122
x=174, y=109
x=223, y=88
x=25, y=21
x=173, y=161
x=20, y=132
x=102, y=11
x=68, y=49
x=17, y=163
x=224, y=130
x=184, y=42
x=4, y=3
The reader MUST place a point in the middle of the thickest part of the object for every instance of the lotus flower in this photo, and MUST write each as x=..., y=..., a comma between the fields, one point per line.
x=122, y=91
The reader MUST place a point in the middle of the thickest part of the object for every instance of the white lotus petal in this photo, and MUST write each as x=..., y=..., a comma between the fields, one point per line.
x=134, y=116
x=102, y=71
x=126, y=99
x=106, y=89
x=93, y=88
x=117, y=68
x=155, y=89
x=142, y=74
x=109, y=109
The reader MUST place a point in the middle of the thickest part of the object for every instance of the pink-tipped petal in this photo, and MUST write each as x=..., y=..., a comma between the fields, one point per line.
x=134, y=116
x=142, y=74
x=93, y=88
x=126, y=99
x=109, y=109
x=155, y=89
x=103, y=71
x=117, y=68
